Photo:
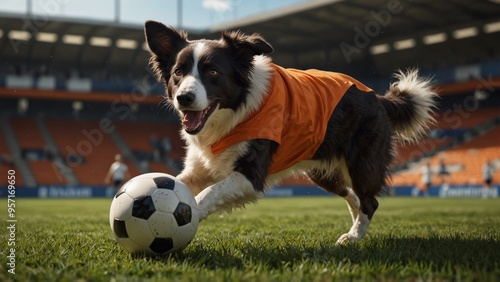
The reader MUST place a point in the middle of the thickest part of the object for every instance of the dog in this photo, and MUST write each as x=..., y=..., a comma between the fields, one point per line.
x=249, y=123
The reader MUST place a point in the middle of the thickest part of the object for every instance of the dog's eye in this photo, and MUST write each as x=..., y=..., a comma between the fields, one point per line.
x=177, y=72
x=213, y=73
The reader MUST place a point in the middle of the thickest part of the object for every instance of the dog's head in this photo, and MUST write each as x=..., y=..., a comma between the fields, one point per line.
x=203, y=76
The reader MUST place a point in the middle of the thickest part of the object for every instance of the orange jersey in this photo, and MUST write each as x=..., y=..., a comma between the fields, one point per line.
x=294, y=113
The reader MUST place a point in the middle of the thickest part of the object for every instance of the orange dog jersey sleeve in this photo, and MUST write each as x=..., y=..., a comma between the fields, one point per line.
x=294, y=113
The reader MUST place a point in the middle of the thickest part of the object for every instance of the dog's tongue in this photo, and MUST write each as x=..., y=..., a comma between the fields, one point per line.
x=192, y=120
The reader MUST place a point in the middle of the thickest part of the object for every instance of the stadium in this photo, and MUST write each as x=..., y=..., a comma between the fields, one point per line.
x=76, y=92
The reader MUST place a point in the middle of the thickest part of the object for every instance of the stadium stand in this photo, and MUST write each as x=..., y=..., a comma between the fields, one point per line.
x=27, y=133
x=6, y=163
x=447, y=127
x=471, y=156
x=465, y=154
x=35, y=152
x=161, y=167
x=138, y=136
x=46, y=172
x=87, y=151
x=144, y=137
x=467, y=120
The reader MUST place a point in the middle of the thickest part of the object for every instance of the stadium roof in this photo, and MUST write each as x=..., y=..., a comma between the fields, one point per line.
x=354, y=36
x=81, y=45
x=357, y=33
x=328, y=22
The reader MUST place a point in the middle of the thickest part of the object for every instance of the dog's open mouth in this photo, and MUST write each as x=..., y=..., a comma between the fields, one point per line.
x=193, y=121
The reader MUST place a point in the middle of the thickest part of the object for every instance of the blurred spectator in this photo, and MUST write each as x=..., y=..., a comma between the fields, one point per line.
x=426, y=179
x=155, y=145
x=443, y=171
x=73, y=159
x=118, y=171
x=6, y=159
x=165, y=149
x=161, y=148
x=48, y=154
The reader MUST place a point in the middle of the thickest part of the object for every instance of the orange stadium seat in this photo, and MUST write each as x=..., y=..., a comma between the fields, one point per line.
x=444, y=120
x=463, y=118
x=84, y=138
x=138, y=135
x=406, y=152
x=159, y=167
x=471, y=156
x=4, y=166
x=46, y=172
x=4, y=149
x=27, y=133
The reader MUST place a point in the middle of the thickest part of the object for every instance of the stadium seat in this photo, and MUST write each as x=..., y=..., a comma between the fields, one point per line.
x=472, y=155
x=46, y=172
x=27, y=133
x=94, y=149
x=138, y=136
x=464, y=119
x=469, y=157
x=6, y=164
x=160, y=167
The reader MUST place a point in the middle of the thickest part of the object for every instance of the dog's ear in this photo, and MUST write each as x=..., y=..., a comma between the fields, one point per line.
x=246, y=45
x=164, y=42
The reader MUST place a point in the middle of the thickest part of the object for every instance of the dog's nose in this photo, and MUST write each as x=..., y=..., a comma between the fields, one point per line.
x=185, y=99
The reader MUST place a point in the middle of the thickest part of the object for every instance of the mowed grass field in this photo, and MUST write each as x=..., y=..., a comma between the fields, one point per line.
x=280, y=239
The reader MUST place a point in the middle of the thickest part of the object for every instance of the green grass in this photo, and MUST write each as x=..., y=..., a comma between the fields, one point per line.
x=290, y=239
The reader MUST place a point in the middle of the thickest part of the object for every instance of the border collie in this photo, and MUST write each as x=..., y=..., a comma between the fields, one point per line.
x=249, y=123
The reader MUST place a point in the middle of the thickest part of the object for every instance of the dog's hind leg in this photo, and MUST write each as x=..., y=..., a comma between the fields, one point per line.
x=361, y=206
x=358, y=135
x=367, y=176
x=353, y=204
x=360, y=225
x=336, y=183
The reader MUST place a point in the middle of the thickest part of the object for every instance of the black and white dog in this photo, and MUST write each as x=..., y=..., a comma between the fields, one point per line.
x=249, y=123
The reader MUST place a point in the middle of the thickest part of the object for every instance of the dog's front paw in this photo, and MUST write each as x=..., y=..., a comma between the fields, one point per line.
x=347, y=239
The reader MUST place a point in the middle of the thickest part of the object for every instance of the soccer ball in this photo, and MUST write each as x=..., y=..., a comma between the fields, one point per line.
x=154, y=214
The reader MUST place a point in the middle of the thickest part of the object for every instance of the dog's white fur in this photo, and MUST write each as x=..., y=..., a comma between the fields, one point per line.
x=192, y=83
x=423, y=96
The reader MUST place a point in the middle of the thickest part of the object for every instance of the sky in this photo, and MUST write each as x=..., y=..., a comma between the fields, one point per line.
x=196, y=14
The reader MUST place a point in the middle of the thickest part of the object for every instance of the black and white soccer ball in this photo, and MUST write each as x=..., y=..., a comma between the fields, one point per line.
x=154, y=214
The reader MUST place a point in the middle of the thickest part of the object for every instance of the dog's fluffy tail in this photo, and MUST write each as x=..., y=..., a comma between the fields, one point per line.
x=409, y=103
